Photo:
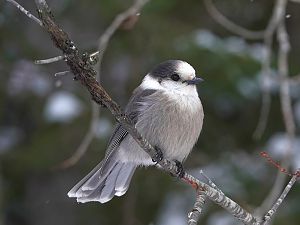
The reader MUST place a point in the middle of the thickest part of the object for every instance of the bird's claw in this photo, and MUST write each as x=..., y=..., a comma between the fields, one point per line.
x=158, y=155
x=179, y=169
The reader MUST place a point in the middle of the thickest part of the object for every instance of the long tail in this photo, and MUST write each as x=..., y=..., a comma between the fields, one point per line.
x=103, y=182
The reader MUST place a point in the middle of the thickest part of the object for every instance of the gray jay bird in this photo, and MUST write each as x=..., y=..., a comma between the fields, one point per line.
x=167, y=111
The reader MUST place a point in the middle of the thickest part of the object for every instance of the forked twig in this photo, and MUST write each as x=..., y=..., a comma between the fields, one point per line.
x=27, y=13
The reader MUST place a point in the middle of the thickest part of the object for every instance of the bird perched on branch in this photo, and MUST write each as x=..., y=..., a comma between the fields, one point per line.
x=167, y=111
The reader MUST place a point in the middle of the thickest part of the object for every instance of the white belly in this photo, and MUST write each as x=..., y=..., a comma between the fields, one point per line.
x=165, y=123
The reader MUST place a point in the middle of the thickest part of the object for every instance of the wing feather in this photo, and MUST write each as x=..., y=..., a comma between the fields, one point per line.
x=132, y=110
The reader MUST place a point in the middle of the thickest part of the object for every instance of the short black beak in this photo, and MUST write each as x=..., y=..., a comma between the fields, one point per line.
x=194, y=81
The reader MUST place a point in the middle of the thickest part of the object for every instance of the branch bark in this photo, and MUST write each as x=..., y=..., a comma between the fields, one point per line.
x=194, y=215
x=102, y=46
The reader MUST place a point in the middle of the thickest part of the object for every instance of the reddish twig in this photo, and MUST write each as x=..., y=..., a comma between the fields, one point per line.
x=277, y=165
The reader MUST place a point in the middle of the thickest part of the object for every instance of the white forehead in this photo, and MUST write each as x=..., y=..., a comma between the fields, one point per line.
x=185, y=70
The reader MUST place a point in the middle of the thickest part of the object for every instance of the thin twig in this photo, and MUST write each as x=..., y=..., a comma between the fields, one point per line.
x=286, y=103
x=194, y=215
x=287, y=189
x=210, y=182
x=272, y=195
x=231, y=26
x=79, y=151
x=63, y=73
x=222, y=200
x=286, y=106
x=267, y=36
x=102, y=46
x=27, y=13
x=50, y=60
x=277, y=15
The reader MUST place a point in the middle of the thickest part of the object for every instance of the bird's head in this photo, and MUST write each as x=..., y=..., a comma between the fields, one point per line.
x=174, y=76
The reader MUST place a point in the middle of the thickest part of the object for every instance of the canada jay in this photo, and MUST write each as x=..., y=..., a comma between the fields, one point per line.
x=167, y=111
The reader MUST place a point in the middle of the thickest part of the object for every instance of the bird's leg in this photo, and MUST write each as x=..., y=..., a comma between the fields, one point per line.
x=179, y=170
x=158, y=155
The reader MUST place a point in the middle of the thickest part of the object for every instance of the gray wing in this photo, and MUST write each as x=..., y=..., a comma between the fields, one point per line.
x=111, y=177
x=131, y=110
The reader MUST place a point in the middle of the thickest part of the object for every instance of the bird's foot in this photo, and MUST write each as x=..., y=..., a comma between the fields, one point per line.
x=158, y=155
x=179, y=169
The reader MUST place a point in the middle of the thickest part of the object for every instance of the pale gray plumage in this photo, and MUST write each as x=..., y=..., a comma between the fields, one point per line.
x=167, y=112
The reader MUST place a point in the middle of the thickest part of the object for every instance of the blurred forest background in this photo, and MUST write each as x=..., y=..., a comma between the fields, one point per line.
x=44, y=118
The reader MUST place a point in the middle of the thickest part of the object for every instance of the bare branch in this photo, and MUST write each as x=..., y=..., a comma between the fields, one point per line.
x=84, y=72
x=86, y=75
x=286, y=103
x=274, y=192
x=63, y=73
x=287, y=189
x=286, y=106
x=267, y=36
x=229, y=25
x=51, y=60
x=79, y=151
x=27, y=13
x=98, y=56
x=194, y=215
x=263, y=115
x=210, y=182
x=277, y=15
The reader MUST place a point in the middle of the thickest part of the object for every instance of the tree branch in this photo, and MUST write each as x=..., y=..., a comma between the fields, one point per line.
x=286, y=103
x=231, y=26
x=276, y=205
x=84, y=72
x=27, y=13
x=194, y=215
x=50, y=60
x=102, y=46
x=278, y=13
x=267, y=36
x=86, y=75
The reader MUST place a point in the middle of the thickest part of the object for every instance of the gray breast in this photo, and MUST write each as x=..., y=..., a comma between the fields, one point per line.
x=165, y=123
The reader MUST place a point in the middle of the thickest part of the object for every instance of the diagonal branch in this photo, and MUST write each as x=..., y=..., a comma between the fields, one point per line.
x=26, y=12
x=102, y=46
x=276, y=205
x=84, y=72
x=86, y=75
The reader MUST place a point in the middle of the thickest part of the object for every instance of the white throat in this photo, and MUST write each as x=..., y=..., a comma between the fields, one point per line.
x=186, y=96
x=169, y=87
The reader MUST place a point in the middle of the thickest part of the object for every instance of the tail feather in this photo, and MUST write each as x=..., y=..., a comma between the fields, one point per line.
x=108, y=190
x=73, y=192
x=92, y=196
x=124, y=178
x=103, y=182
x=99, y=176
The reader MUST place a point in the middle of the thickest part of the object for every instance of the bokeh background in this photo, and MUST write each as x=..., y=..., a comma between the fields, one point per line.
x=43, y=118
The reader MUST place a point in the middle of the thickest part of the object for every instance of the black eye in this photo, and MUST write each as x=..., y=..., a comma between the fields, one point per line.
x=175, y=77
